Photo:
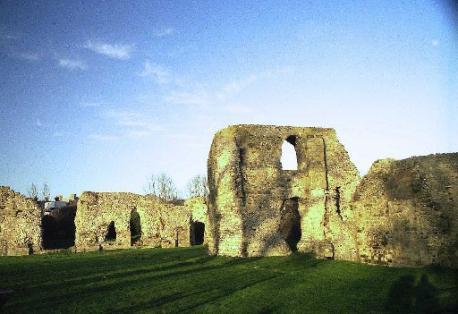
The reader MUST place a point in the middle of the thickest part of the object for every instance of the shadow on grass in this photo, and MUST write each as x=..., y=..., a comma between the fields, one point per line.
x=407, y=296
x=125, y=281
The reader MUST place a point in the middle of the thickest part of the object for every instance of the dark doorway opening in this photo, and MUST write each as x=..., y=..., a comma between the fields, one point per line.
x=198, y=232
x=290, y=223
x=111, y=232
x=135, y=227
x=58, y=229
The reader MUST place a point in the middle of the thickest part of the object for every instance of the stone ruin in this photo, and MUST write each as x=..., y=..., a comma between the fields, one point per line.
x=99, y=221
x=406, y=211
x=20, y=224
x=258, y=209
x=123, y=220
x=402, y=212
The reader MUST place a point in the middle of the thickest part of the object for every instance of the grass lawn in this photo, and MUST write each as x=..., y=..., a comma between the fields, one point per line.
x=188, y=280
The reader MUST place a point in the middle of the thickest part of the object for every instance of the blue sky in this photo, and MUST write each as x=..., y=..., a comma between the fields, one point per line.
x=99, y=95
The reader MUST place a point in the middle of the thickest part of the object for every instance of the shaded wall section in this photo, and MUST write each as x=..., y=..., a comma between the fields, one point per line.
x=406, y=211
x=122, y=220
x=249, y=190
x=20, y=224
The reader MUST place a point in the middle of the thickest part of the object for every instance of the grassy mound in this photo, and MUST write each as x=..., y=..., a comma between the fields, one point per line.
x=187, y=279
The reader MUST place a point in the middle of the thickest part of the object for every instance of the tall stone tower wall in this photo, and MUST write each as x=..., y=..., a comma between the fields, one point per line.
x=251, y=196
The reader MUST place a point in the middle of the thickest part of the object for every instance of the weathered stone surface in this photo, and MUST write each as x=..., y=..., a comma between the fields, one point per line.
x=162, y=224
x=257, y=209
x=20, y=224
x=198, y=209
x=406, y=211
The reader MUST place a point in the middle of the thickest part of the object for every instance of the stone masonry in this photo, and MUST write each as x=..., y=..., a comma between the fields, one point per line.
x=401, y=213
x=406, y=211
x=258, y=209
x=20, y=224
x=159, y=223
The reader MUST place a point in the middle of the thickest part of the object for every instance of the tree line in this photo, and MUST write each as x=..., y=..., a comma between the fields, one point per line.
x=160, y=185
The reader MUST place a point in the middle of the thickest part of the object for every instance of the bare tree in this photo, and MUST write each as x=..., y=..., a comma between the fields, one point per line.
x=33, y=191
x=197, y=186
x=162, y=186
x=45, y=192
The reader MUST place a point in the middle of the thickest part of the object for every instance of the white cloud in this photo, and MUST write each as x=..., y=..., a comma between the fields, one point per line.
x=72, y=64
x=157, y=72
x=114, y=51
x=29, y=56
x=103, y=137
x=192, y=98
x=90, y=104
x=133, y=124
x=164, y=32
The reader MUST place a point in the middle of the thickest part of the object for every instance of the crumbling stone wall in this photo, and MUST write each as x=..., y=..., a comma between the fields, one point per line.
x=197, y=206
x=406, y=211
x=162, y=224
x=255, y=206
x=20, y=224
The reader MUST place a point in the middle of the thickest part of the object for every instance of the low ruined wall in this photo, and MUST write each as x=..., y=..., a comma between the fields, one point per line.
x=162, y=224
x=254, y=204
x=406, y=211
x=20, y=224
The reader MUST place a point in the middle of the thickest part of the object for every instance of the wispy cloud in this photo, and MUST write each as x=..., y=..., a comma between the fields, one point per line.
x=28, y=56
x=90, y=104
x=163, y=32
x=114, y=51
x=72, y=64
x=38, y=123
x=130, y=124
x=156, y=72
x=192, y=98
x=206, y=95
x=103, y=137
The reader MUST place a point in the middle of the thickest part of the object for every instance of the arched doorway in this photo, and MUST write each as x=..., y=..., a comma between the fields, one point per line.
x=290, y=223
x=111, y=232
x=135, y=227
x=198, y=233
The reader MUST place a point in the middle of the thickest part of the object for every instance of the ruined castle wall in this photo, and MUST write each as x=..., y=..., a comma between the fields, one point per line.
x=162, y=224
x=252, y=199
x=406, y=211
x=20, y=224
x=197, y=206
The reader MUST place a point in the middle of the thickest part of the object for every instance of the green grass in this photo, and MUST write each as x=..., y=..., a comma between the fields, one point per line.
x=188, y=280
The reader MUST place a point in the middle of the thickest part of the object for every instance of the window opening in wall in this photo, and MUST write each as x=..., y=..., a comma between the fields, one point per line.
x=290, y=223
x=288, y=153
x=111, y=232
x=135, y=227
x=198, y=231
